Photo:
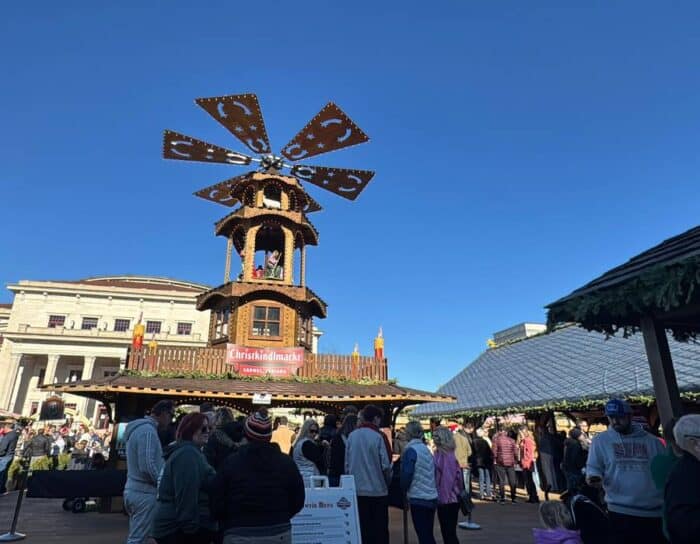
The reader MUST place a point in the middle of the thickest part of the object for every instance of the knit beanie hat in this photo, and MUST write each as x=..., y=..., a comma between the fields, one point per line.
x=258, y=426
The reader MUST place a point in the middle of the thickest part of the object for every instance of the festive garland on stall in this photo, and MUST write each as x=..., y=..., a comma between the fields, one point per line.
x=661, y=288
x=197, y=375
x=580, y=405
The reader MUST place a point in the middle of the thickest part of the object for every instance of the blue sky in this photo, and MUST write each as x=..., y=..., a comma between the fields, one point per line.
x=521, y=149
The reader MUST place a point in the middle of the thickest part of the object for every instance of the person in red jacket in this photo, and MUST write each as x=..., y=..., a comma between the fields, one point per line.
x=505, y=454
x=528, y=454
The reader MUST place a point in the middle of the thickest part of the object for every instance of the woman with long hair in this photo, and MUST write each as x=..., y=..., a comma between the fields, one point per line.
x=220, y=443
x=336, y=467
x=528, y=456
x=307, y=453
x=182, y=505
x=450, y=484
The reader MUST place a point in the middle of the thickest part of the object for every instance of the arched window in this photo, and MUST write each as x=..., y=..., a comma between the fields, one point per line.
x=272, y=196
x=269, y=253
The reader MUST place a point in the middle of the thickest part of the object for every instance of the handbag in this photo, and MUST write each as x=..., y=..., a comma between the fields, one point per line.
x=465, y=502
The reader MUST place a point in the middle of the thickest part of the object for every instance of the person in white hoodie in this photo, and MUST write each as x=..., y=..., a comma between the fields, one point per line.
x=620, y=461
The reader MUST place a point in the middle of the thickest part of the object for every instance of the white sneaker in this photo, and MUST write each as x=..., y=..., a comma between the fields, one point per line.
x=469, y=525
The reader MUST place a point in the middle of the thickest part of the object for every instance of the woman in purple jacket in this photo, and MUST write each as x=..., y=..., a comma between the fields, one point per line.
x=449, y=481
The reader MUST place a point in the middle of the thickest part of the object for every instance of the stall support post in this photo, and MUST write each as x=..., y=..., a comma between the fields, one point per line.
x=13, y=535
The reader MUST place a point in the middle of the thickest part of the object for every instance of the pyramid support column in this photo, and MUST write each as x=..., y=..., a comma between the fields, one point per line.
x=288, y=256
x=229, y=251
x=249, y=258
x=302, y=267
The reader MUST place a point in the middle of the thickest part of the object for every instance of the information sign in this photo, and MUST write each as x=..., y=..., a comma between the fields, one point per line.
x=329, y=515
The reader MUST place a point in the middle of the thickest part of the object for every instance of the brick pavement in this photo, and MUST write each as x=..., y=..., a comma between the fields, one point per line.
x=45, y=522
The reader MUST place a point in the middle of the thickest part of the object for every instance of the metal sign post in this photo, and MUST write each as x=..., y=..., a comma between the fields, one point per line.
x=13, y=535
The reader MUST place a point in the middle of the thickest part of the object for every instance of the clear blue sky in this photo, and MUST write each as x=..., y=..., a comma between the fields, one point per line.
x=521, y=149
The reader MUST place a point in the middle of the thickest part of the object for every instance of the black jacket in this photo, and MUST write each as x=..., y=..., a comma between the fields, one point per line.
x=336, y=466
x=481, y=453
x=257, y=486
x=218, y=448
x=682, y=501
x=8, y=444
x=39, y=445
x=574, y=456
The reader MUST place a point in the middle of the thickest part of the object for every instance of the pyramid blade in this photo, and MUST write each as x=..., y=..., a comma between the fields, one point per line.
x=341, y=181
x=329, y=130
x=221, y=193
x=185, y=148
x=242, y=117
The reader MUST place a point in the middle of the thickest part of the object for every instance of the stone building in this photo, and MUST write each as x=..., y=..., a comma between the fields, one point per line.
x=63, y=331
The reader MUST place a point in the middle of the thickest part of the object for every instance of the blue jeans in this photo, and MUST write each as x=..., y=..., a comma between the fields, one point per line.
x=484, y=483
x=423, y=518
x=140, y=506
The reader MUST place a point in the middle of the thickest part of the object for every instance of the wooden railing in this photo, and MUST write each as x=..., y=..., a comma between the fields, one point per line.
x=213, y=361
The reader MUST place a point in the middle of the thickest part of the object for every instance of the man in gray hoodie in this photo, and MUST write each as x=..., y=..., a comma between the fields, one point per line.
x=620, y=459
x=144, y=462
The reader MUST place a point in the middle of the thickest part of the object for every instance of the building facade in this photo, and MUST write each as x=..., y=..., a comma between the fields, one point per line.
x=63, y=331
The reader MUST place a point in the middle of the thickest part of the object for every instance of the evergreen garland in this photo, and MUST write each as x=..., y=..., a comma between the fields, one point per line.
x=198, y=375
x=660, y=289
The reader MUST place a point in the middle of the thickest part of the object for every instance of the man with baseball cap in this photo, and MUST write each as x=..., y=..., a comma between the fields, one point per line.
x=619, y=460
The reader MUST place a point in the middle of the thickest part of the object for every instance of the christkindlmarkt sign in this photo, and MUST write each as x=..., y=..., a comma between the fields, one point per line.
x=279, y=362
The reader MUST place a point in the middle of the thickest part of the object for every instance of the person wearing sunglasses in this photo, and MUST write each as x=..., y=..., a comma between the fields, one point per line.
x=682, y=497
x=182, y=514
x=307, y=452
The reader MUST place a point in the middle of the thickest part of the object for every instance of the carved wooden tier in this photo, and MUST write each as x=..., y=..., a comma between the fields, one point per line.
x=241, y=292
x=212, y=361
x=302, y=230
x=245, y=189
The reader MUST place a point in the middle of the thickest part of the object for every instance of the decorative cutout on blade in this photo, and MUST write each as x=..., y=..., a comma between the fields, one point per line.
x=221, y=192
x=329, y=130
x=341, y=181
x=185, y=148
x=242, y=117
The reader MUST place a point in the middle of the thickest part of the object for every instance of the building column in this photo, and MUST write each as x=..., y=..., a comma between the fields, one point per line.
x=14, y=382
x=51, y=367
x=229, y=251
x=302, y=268
x=88, y=408
x=663, y=376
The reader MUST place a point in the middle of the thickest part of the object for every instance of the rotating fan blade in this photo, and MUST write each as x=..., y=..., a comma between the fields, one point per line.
x=242, y=117
x=329, y=130
x=185, y=148
x=341, y=181
x=221, y=192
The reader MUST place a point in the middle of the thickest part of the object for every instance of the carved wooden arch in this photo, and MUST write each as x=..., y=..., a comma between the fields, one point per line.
x=272, y=182
x=298, y=239
x=239, y=242
x=248, y=197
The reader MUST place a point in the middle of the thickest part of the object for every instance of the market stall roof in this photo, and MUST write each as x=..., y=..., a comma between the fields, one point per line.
x=663, y=281
x=567, y=365
x=283, y=392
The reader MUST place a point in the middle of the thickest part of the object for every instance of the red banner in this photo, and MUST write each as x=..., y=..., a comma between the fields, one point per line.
x=278, y=362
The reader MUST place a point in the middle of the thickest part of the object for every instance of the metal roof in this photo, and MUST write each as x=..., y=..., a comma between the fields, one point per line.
x=567, y=364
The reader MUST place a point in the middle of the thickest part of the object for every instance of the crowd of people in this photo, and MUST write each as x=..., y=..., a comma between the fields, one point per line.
x=85, y=445
x=209, y=477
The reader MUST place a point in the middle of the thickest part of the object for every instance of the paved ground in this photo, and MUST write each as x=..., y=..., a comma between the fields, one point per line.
x=45, y=522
